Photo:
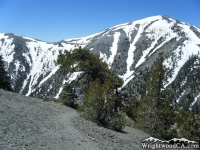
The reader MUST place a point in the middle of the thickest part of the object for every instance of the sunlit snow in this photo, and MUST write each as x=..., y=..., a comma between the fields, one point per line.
x=71, y=77
x=113, y=49
x=195, y=100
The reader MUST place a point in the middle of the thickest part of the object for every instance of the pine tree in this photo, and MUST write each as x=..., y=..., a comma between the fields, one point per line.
x=189, y=125
x=99, y=106
x=85, y=61
x=91, y=66
x=155, y=113
x=101, y=101
x=4, y=77
x=68, y=95
x=131, y=108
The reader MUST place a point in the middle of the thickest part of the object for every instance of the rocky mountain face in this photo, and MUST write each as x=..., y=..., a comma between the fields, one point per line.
x=130, y=49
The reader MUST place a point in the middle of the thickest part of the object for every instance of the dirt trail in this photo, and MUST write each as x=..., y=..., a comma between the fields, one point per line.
x=33, y=124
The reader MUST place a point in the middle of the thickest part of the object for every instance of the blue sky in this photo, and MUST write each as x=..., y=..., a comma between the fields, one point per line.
x=55, y=20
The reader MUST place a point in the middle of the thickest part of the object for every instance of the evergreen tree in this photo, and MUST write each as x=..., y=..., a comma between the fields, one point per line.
x=155, y=113
x=101, y=101
x=131, y=108
x=91, y=66
x=4, y=77
x=99, y=106
x=189, y=125
x=82, y=60
x=68, y=95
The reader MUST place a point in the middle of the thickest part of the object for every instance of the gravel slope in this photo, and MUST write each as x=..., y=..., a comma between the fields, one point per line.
x=33, y=124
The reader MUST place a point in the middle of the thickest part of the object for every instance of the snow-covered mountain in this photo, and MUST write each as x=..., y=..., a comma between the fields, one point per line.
x=129, y=49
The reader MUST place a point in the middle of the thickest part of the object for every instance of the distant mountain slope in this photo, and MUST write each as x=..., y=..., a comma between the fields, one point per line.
x=129, y=49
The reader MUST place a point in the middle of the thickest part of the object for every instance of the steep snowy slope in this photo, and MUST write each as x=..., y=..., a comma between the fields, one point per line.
x=30, y=61
x=128, y=48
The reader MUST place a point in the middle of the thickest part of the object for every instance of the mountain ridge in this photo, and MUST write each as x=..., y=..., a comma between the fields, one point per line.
x=128, y=49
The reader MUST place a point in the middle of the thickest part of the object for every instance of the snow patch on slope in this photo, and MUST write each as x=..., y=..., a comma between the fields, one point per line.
x=128, y=26
x=195, y=100
x=127, y=76
x=71, y=78
x=180, y=96
x=52, y=73
x=160, y=29
x=83, y=41
x=113, y=49
x=6, y=49
x=103, y=56
x=188, y=49
x=129, y=29
x=41, y=60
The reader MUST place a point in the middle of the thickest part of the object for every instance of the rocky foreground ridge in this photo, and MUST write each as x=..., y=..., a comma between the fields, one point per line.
x=33, y=124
